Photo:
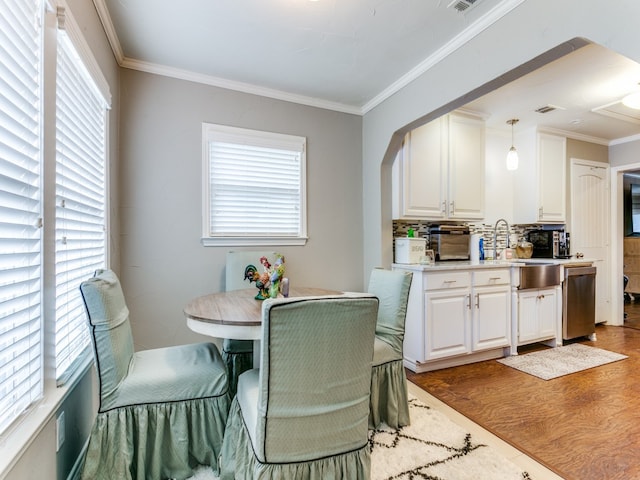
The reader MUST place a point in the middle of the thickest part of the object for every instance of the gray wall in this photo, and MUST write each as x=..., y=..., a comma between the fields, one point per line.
x=501, y=52
x=163, y=262
x=625, y=154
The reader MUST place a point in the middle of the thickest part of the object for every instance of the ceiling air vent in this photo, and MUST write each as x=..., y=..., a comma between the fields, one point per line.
x=462, y=5
x=548, y=108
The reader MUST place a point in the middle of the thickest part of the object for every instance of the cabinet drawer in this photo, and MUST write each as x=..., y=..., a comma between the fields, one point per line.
x=483, y=278
x=442, y=280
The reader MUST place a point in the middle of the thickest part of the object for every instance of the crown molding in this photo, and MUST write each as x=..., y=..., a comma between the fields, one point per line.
x=574, y=135
x=107, y=24
x=618, y=141
x=458, y=41
x=470, y=32
x=237, y=86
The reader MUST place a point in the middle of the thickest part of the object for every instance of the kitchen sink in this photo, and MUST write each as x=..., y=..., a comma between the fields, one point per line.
x=539, y=275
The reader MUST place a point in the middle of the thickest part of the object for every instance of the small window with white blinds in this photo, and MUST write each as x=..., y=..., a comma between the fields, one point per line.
x=80, y=200
x=254, y=187
x=21, y=357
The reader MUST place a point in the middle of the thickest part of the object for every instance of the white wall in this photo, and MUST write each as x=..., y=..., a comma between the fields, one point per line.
x=163, y=263
x=529, y=30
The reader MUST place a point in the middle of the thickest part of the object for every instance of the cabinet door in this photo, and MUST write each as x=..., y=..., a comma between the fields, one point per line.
x=547, y=313
x=528, y=329
x=424, y=171
x=447, y=323
x=491, y=323
x=466, y=167
x=551, y=178
x=537, y=315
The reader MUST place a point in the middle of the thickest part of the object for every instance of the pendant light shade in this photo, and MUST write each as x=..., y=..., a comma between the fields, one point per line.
x=512, y=155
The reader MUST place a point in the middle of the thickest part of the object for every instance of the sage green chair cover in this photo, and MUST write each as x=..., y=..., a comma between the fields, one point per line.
x=162, y=412
x=238, y=354
x=304, y=413
x=389, y=399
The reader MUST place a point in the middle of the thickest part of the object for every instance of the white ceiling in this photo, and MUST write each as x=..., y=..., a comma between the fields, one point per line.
x=351, y=55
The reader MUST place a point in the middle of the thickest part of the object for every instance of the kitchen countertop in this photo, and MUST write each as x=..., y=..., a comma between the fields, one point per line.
x=468, y=265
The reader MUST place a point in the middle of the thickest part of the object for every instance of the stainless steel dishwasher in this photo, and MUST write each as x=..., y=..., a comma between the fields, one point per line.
x=579, y=301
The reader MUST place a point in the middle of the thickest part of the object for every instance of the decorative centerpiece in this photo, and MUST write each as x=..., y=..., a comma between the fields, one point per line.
x=269, y=281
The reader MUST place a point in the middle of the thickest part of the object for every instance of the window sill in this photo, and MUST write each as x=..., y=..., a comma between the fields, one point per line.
x=19, y=436
x=252, y=241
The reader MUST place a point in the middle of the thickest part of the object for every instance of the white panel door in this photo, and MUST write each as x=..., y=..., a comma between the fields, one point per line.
x=590, y=219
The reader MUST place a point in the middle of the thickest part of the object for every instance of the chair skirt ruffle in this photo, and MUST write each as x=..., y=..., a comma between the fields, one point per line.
x=389, y=402
x=237, y=460
x=236, y=363
x=156, y=441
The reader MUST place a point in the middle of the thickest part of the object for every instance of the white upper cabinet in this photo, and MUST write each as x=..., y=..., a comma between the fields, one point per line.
x=466, y=167
x=442, y=169
x=540, y=193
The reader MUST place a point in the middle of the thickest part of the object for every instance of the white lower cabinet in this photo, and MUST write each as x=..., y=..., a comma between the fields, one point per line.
x=456, y=317
x=538, y=315
x=492, y=319
x=448, y=330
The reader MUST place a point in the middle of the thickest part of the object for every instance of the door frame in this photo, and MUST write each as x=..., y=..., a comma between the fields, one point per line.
x=617, y=240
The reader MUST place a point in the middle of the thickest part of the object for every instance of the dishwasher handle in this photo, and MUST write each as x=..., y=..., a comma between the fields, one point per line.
x=571, y=271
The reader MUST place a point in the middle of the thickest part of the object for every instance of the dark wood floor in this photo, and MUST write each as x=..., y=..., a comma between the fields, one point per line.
x=584, y=426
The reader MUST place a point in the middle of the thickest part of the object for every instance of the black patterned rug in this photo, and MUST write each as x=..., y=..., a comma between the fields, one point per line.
x=435, y=448
x=431, y=448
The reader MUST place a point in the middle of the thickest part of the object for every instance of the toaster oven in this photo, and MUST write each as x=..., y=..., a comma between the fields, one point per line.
x=449, y=242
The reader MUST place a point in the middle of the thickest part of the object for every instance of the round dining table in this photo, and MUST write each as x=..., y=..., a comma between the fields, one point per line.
x=236, y=314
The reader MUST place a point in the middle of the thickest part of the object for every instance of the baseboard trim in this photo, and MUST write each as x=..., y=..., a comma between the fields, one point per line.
x=74, y=474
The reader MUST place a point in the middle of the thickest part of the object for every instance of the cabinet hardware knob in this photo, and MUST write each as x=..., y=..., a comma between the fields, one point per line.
x=477, y=300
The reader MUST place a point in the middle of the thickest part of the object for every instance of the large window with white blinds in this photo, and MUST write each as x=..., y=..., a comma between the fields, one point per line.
x=80, y=199
x=254, y=187
x=21, y=370
x=52, y=202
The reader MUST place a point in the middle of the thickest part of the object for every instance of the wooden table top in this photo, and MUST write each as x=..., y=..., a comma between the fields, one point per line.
x=239, y=307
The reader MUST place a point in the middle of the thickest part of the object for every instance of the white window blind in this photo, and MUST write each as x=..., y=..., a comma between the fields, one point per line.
x=20, y=208
x=255, y=184
x=80, y=199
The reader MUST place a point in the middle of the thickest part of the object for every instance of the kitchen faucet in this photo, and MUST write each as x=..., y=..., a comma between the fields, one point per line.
x=495, y=237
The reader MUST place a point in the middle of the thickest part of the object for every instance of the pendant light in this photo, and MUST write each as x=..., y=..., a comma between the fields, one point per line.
x=512, y=156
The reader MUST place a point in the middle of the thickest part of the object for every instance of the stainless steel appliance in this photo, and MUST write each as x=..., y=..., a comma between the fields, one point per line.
x=578, y=301
x=549, y=243
x=449, y=242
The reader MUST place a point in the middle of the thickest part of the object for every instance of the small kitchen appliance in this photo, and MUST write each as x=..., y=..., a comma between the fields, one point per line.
x=449, y=242
x=547, y=243
x=409, y=250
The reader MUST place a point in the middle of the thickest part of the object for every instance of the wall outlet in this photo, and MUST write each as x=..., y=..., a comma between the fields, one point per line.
x=59, y=431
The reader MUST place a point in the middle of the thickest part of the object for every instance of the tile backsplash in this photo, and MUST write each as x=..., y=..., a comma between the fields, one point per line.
x=421, y=229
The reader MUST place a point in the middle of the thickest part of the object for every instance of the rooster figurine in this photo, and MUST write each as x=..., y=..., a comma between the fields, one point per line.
x=251, y=273
x=268, y=282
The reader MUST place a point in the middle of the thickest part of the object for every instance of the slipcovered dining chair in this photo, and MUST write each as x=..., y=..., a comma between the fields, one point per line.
x=238, y=354
x=162, y=412
x=389, y=401
x=304, y=412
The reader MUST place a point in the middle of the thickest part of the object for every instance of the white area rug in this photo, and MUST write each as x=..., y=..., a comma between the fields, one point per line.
x=559, y=361
x=432, y=447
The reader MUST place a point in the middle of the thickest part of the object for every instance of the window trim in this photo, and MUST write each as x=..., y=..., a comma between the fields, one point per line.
x=207, y=240
x=24, y=430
